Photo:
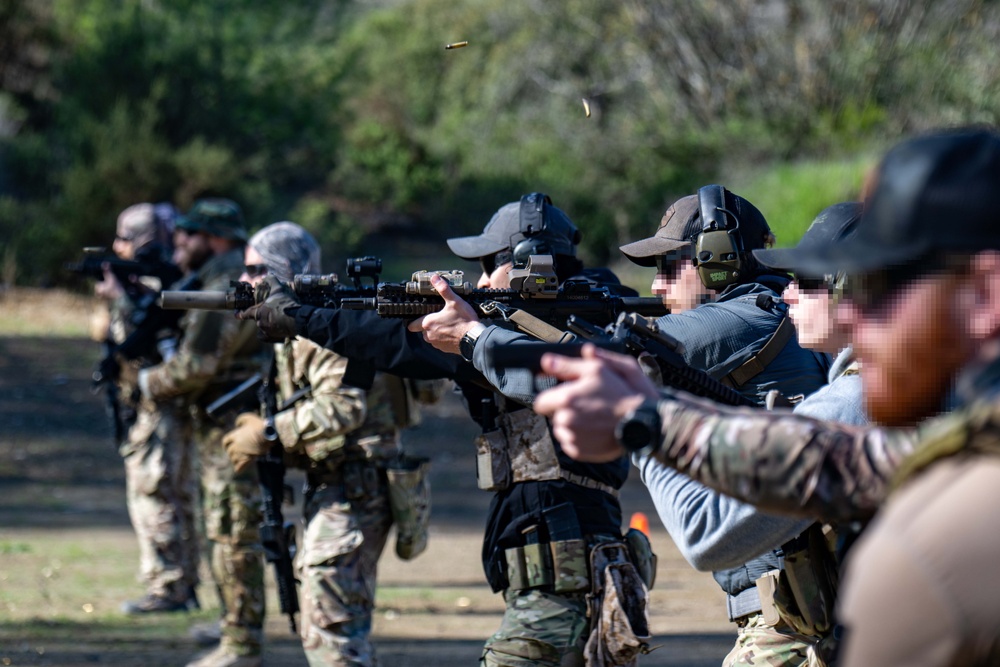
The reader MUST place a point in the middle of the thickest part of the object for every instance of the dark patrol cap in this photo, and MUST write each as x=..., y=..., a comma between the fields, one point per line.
x=681, y=225
x=503, y=232
x=215, y=216
x=934, y=193
x=833, y=224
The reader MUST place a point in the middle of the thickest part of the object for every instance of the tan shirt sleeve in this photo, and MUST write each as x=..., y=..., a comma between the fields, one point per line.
x=330, y=411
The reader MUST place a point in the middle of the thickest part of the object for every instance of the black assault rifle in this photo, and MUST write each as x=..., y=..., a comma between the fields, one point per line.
x=127, y=271
x=148, y=323
x=322, y=291
x=630, y=334
x=534, y=290
x=277, y=536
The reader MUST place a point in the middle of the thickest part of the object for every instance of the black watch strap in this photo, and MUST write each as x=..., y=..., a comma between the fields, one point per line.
x=639, y=431
x=467, y=345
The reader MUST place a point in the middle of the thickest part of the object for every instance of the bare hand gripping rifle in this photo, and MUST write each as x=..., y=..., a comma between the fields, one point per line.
x=534, y=290
x=631, y=334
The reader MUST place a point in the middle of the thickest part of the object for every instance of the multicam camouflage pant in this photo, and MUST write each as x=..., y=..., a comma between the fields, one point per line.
x=539, y=628
x=162, y=498
x=759, y=644
x=232, y=526
x=337, y=565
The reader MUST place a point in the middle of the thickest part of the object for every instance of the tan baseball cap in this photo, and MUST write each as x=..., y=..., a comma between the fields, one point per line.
x=678, y=228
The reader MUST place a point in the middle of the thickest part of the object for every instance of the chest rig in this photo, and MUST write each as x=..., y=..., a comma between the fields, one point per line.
x=516, y=446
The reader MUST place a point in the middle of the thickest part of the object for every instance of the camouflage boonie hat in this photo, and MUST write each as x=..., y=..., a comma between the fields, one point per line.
x=216, y=216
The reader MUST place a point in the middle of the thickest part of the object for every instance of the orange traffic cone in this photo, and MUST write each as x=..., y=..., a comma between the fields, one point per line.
x=639, y=521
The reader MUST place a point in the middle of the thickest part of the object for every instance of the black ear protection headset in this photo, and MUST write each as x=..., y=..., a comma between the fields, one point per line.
x=532, y=221
x=718, y=253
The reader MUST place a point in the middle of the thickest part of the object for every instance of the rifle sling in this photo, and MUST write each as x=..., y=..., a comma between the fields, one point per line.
x=758, y=362
x=538, y=328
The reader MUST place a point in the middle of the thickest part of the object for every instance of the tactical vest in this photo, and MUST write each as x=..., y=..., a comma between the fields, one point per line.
x=519, y=448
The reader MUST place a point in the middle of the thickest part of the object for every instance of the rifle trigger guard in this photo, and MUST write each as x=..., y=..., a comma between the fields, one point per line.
x=492, y=308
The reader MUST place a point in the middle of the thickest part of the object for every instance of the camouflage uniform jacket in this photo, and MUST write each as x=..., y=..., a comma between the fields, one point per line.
x=787, y=462
x=217, y=350
x=334, y=422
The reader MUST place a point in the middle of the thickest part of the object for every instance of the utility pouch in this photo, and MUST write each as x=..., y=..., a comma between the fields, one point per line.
x=617, y=609
x=767, y=589
x=492, y=461
x=410, y=501
x=642, y=556
x=530, y=450
x=529, y=566
x=811, y=584
x=569, y=566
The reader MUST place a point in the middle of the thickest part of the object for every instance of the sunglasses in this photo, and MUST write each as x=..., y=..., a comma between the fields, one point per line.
x=491, y=262
x=670, y=264
x=871, y=291
x=814, y=284
x=256, y=270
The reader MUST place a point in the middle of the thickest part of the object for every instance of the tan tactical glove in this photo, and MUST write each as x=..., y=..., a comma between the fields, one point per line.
x=246, y=442
x=274, y=311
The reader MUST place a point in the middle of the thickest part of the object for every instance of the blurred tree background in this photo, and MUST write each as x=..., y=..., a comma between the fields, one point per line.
x=353, y=120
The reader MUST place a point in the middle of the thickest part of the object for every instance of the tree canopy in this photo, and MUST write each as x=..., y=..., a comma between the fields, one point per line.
x=352, y=119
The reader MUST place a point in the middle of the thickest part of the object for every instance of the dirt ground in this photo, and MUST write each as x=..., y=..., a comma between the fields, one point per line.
x=68, y=557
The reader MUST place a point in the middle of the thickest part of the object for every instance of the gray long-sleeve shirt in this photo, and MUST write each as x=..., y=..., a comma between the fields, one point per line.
x=713, y=531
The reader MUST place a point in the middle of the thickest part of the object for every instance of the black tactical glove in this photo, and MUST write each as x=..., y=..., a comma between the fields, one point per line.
x=274, y=311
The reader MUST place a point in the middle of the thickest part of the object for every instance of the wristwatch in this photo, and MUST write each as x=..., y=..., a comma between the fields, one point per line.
x=468, y=342
x=639, y=430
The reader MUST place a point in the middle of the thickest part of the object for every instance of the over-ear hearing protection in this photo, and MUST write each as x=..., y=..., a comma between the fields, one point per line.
x=532, y=224
x=718, y=254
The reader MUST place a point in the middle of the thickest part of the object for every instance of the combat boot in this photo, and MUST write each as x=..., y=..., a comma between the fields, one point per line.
x=154, y=604
x=206, y=634
x=225, y=657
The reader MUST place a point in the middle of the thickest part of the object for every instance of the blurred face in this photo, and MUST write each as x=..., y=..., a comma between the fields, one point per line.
x=677, y=283
x=191, y=249
x=911, y=342
x=813, y=314
x=496, y=271
x=124, y=247
x=254, y=267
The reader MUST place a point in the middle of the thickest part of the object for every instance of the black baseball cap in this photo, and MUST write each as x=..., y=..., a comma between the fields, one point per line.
x=935, y=193
x=833, y=224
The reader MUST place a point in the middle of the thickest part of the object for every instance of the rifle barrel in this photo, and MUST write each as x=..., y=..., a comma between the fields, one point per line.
x=204, y=300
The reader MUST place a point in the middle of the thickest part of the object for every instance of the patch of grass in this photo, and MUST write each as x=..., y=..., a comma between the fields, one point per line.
x=791, y=194
x=45, y=312
x=9, y=548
